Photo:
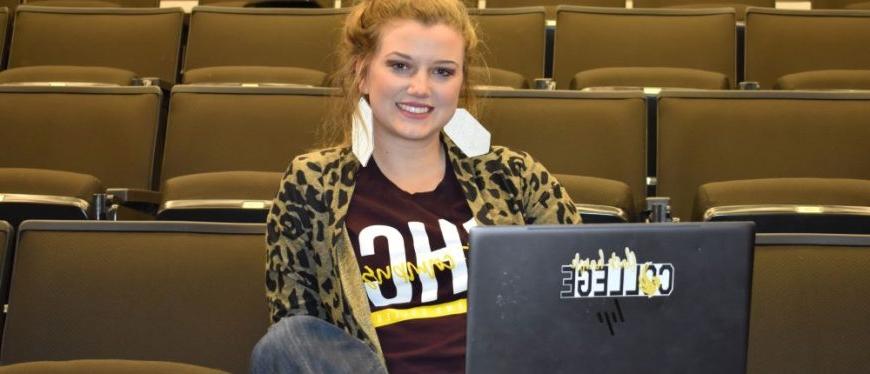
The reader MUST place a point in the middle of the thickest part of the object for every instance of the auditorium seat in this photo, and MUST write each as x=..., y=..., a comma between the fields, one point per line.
x=639, y=77
x=610, y=47
x=809, y=304
x=781, y=42
x=9, y=5
x=591, y=134
x=96, y=44
x=221, y=196
x=96, y=3
x=262, y=45
x=272, y=3
x=84, y=139
x=227, y=148
x=7, y=237
x=226, y=3
x=550, y=5
x=182, y=292
x=46, y=194
x=792, y=205
x=825, y=80
x=738, y=5
x=70, y=75
x=714, y=136
x=4, y=26
x=525, y=3
x=599, y=200
x=514, y=44
x=840, y=4
x=104, y=367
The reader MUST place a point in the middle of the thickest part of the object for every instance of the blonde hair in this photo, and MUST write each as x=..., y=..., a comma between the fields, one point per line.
x=360, y=39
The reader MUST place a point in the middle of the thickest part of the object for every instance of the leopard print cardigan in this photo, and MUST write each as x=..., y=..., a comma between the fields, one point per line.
x=311, y=267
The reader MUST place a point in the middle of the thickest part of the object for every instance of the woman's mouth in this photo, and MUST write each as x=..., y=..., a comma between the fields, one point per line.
x=413, y=108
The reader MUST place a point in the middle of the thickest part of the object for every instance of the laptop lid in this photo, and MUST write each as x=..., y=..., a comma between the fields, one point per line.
x=613, y=298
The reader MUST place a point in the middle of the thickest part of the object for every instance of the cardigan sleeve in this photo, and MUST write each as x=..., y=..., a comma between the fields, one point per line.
x=292, y=285
x=545, y=200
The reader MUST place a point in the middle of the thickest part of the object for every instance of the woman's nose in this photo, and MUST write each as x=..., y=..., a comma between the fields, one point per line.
x=419, y=84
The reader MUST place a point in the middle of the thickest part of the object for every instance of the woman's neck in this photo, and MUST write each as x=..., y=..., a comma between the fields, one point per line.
x=412, y=166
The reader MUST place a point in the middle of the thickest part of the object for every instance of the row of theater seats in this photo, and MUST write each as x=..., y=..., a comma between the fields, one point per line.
x=192, y=293
x=11, y=4
x=221, y=152
x=816, y=4
x=592, y=48
x=738, y=5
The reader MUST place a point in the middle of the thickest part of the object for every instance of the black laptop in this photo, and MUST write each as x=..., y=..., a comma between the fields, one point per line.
x=614, y=298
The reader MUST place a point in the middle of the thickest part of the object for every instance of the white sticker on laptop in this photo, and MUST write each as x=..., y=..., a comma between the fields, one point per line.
x=616, y=277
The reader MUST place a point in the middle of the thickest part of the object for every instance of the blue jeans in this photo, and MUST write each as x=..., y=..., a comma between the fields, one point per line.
x=305, y=344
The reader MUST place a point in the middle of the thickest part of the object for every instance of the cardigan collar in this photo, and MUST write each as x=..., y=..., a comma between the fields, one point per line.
x=463, y=130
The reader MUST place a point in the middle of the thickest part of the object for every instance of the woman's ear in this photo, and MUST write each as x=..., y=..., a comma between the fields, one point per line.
x=363, y=86
x=360, y=71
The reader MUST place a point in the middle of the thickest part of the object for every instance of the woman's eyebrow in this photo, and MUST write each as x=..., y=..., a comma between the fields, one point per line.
x=450, y=62
x=408, y=57
x=399, y=54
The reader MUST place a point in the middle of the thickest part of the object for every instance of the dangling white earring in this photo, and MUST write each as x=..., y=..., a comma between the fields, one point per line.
x=362, y=133
x=468, y=134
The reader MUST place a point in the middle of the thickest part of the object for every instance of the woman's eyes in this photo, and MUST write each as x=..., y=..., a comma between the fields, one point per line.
x=398, y=66
x=445, y=72
x=404, y=68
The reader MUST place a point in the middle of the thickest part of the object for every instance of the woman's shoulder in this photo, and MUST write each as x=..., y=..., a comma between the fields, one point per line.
x=310, y=167
x=504, y=159
x=544, y=198
x=505, y=153
x=319, y=160
x=320, y=157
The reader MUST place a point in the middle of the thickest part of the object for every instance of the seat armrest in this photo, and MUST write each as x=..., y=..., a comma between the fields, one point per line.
x=658, y=209
x=593, y=213
x=126, y=204
x=749, y=86
x=153, y=81
x=126, y=196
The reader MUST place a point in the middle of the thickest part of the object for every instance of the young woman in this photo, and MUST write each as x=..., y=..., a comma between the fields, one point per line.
x=367, y=241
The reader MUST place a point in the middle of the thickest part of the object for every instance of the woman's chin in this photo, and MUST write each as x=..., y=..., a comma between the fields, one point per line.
x=415, y=133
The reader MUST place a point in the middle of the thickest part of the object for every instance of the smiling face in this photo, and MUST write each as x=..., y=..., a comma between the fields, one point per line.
x=413, y=81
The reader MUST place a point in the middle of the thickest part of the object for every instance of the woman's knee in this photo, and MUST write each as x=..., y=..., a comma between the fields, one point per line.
x=285, y=334
x=309, y=344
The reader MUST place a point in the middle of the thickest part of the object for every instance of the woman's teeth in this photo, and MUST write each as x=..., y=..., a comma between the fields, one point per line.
x=415, y=109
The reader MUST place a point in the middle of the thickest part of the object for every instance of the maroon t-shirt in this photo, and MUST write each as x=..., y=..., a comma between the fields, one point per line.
x=411, y=250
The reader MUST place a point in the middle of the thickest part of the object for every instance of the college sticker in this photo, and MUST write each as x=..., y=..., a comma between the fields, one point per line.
x=616, y=277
